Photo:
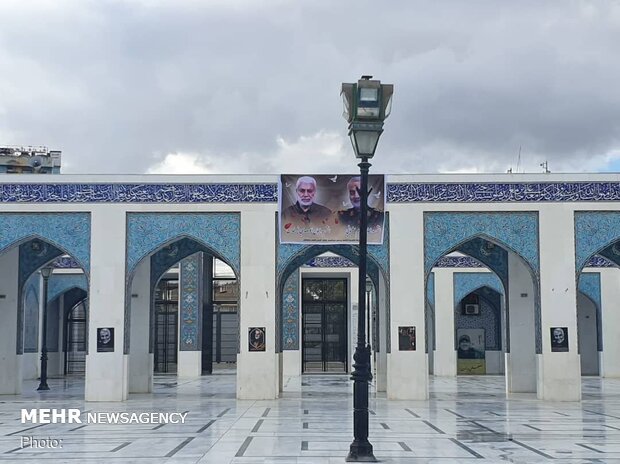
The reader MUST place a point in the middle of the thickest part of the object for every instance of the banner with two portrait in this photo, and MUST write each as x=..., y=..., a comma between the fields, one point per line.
x=326, y=208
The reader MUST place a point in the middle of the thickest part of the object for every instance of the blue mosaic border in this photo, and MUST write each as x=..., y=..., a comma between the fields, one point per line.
x=189, y=302
x=498, y=192
x=290, y=312
x=138, y=193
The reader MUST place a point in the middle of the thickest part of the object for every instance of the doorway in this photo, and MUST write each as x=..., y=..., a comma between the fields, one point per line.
x=324, y=325
x=166, y=325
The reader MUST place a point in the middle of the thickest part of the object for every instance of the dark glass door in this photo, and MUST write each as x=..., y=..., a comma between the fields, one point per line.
x=75, y=341
x=166, y=326
x=324, y=325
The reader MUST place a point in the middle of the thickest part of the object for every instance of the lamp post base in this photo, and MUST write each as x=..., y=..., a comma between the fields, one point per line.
x=43, y=387
x=361, y=452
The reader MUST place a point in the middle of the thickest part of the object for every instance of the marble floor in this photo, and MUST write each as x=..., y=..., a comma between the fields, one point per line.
x=467, y=420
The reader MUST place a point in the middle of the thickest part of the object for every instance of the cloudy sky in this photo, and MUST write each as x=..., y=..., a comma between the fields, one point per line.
x=252, y=86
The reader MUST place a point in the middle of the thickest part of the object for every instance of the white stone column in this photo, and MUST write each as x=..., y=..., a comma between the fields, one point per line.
x=559, y=374
x=106, y=373
x=257, y=371
x=521, y=360
x=407, y=371
x=140, y=362
x=610, y=315
x=10, y=361
x=445, y=354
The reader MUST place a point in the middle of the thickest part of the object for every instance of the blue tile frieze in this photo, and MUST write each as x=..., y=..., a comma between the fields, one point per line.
x=138, y=193
x=496, y=192
x=458, y=262
x=453, y=192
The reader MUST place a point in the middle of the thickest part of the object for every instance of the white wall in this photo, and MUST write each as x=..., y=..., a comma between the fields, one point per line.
x=140, y=362
x=610, y=321
x=10, y=362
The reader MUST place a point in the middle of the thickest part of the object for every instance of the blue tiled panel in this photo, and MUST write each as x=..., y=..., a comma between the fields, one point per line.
x=290, y=312
x=495, y=192
x=219, y=232
x=69, y=232
x=445, y=231
x=189, y=297
x=590, y=285
x=60, y=283
x=138, y=193
x=594, y=231
x=31, y=315
x=467, y=282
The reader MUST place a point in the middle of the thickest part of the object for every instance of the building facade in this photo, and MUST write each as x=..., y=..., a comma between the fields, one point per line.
x=512, y=274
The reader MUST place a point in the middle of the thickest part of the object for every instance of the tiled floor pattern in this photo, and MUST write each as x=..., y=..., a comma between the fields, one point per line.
x=468, y=420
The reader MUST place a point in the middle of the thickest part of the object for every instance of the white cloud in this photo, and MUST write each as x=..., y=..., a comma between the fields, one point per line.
x=180, y=163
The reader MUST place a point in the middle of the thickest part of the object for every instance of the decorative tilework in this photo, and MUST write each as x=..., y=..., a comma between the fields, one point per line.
x=446, y=231
x=494, y=257
x=453, y=192
x=290, y=312
x=458, y=262
x=138, y=193
x=590, y=285
x=508, y=192
x=65, y=262
x=60, y=283
x=69, y=232
x=600, y=261
x=594, y=231
x=330, y=261
x=31, y=316
x=219, y=232
x=190, y=303
x=467, y=282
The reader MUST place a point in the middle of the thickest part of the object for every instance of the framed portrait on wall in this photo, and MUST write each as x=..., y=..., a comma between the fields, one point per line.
x=559, y=339
x=256, y=339
x=406, y=338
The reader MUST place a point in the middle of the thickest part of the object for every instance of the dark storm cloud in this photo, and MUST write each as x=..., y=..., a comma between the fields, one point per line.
x=248, y=86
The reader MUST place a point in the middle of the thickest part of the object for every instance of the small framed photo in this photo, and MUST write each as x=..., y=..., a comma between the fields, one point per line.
x=105, y=339
x=406, y=338
x=559, y=339
x=256, y=339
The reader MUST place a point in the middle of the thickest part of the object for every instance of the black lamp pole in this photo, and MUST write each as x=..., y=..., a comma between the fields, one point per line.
x=366, y=105
x=361, y=449
x=46, y=272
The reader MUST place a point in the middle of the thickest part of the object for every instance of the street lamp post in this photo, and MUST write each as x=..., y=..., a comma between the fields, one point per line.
x=366, y=105
x=46, y=272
